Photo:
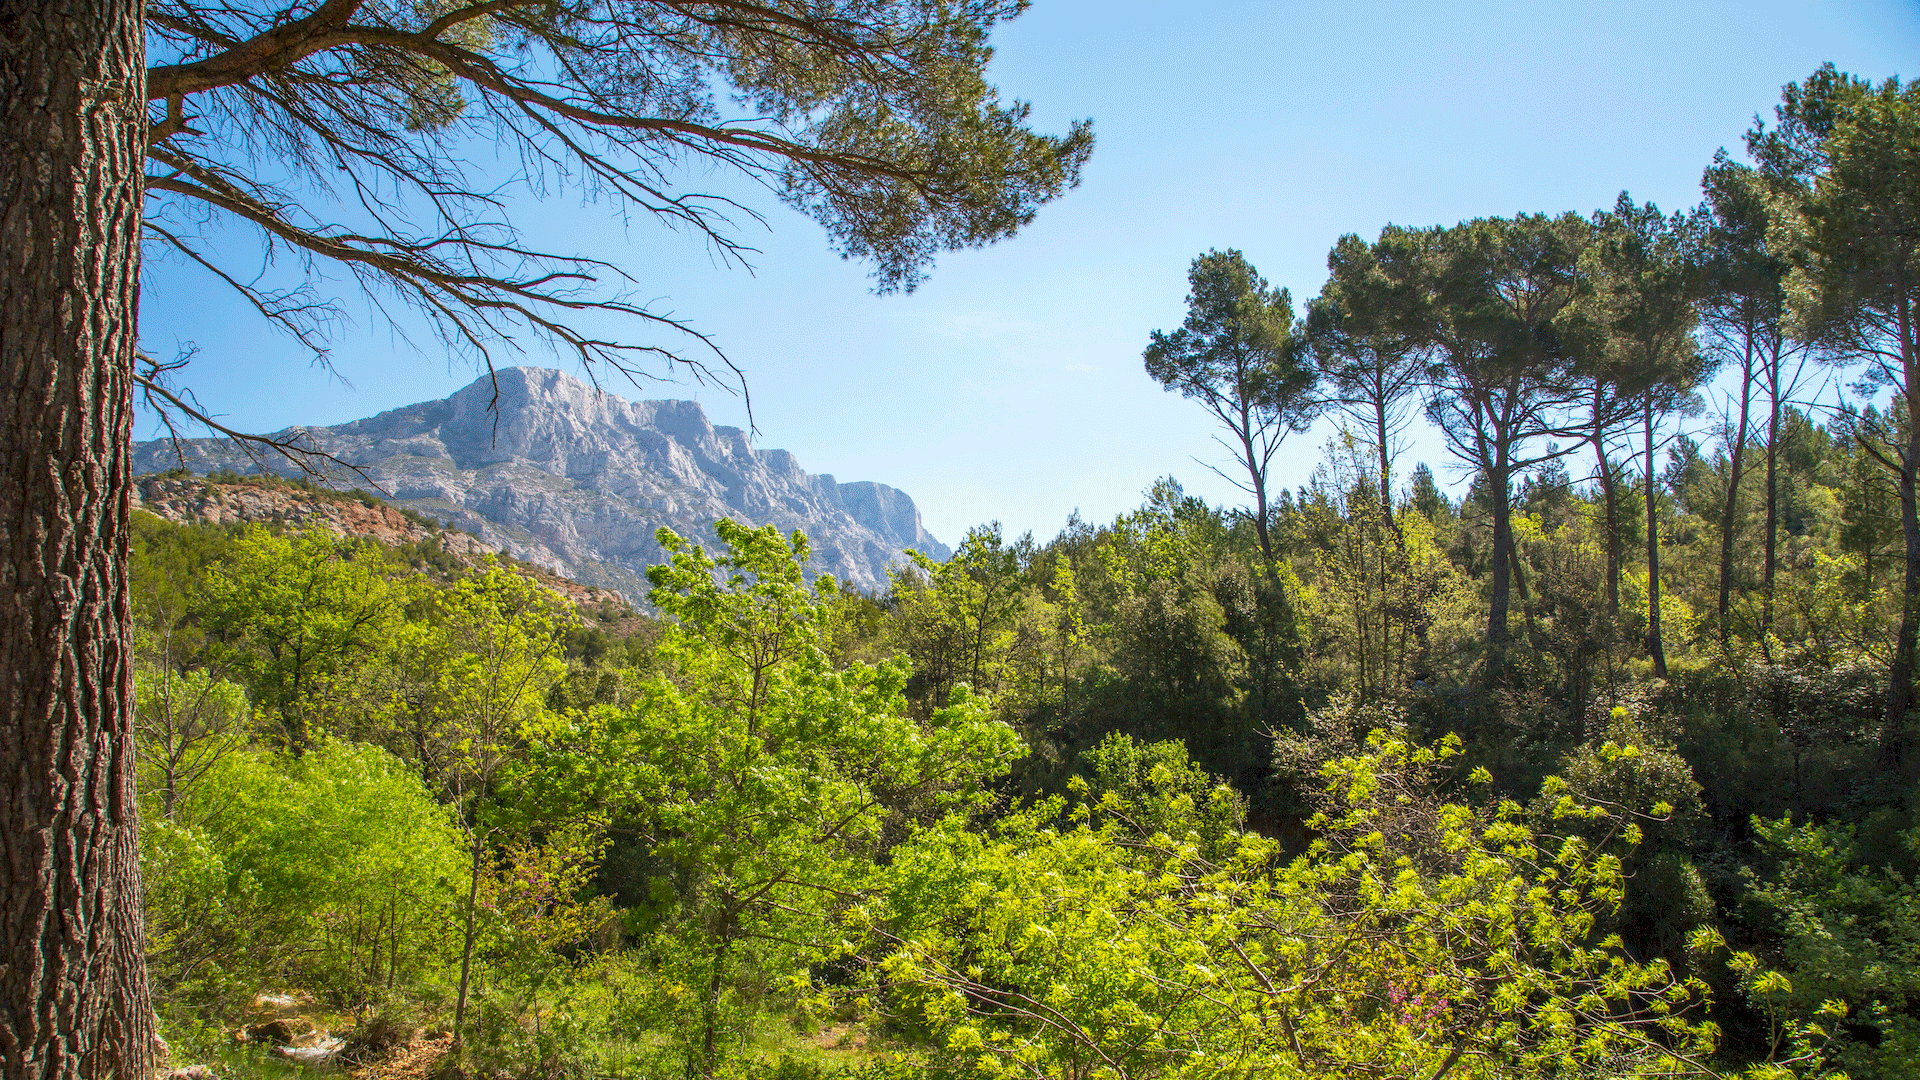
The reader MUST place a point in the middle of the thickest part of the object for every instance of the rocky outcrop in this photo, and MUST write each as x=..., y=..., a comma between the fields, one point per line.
x=267, y=500
x=559, y=474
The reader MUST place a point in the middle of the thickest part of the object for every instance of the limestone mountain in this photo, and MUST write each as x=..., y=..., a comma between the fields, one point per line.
x=543, y=466
x=274, y=500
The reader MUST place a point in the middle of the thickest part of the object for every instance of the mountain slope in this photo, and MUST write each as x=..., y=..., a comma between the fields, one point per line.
x=577, y=480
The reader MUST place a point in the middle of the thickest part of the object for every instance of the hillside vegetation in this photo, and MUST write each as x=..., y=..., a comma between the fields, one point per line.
x=1598, y=770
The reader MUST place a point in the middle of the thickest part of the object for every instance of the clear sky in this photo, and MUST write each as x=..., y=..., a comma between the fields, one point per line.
x=1010, y=387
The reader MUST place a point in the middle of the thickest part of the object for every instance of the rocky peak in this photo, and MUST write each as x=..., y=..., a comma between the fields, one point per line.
x=560, y=474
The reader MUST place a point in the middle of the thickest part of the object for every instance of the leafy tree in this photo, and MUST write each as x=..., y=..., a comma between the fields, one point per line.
x=1201, y=639
x=955, y=618
x=331, y=868
x=1496, y=298
x=1609, y=403
x=187, y=722
x=1872, y=513
x=876, y=119
x=1842, y=152
x=764, y=775
x=1743, y=312
x=541, y=908
x=1414, y=938
x=295, y=617
x=1650, y=282
x=478, y=669
x=1159, y=791
x=1374, y=576
x=1364, y=342
x=1428, y=498
x=1849, y=933
x=1240, y=356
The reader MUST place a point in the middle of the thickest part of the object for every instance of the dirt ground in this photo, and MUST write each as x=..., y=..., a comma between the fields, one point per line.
x=414, y=1061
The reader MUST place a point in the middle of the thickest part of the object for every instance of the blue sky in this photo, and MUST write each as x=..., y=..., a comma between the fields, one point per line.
x=1009, y=387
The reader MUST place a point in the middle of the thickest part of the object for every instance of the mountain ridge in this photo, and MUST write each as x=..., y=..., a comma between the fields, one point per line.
x=560, y=474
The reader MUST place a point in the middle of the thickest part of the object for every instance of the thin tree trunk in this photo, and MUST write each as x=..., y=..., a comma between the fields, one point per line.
x=1257, y=476
x=1520, y=587
x=1502, y=545
x=466, y=941
x=74, y=1001
x=1260, y=529
x=1655, y=647
x=1386, y=467
x=709, y=1039
x=1768, y=561
x=1610, y=491
x=1900, y=674
x=1736, y=458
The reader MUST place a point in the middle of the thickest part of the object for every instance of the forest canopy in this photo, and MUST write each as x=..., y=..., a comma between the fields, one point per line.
x=1604, y=766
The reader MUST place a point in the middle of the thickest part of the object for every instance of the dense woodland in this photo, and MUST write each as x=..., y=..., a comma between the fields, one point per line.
x=1605, y=767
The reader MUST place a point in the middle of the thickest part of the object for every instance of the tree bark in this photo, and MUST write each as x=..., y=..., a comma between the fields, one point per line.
x=1655, y=648
x=1736, y=458
x=1258, y=474
x=1502, y=547
x=1610, y=491
x=73, y=987
x=1900, y=674
x=1768, y=560
x=476, y=853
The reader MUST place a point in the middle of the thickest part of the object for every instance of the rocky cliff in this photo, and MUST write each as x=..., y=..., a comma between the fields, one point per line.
x=270, y=500
x=577, y=480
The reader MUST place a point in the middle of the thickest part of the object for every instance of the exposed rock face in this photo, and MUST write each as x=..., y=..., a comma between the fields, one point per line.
x=270, y=501
x=577, y=480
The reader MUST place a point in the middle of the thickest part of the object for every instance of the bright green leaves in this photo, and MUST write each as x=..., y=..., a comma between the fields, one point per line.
x=1412, y=936
x=1850, y=941
x=767, y=778
x=296, y=618
x=331, y=869
x=969, y=620
x=474, y=673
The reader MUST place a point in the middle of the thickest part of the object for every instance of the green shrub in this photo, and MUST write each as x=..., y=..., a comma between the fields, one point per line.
x=332, y=871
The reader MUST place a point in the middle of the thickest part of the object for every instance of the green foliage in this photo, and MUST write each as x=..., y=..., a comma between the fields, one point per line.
x=1108, y=805
x=1157, y=791
x=765, y=777
x=959, y=619
x=331, y=869
x=1850, y=933
x=1236, y=346
x=185, y=723
x=1413, y=936
x=474, y=672
x=296, y=618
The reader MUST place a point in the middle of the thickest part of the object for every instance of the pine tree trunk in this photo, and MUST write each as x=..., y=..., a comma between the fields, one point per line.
x=1386, y=467
x=1773, y=502
x=1502, y=547
x=73, y=985
x=1736, y=458
x=1655, y=648
x=1611, y=495
x=1260, y=529
x=1900, y=675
